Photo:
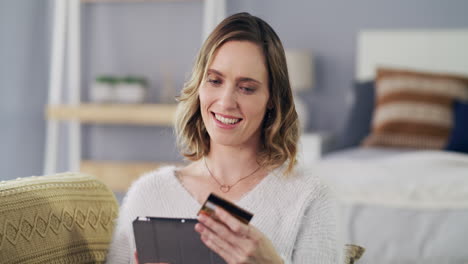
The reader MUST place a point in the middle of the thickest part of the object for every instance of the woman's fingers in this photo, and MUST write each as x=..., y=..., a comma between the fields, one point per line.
x=223, y=248
x=232, y=223
x=136, y=259
x=247, y=231
x=236, y=240
x=220, y=229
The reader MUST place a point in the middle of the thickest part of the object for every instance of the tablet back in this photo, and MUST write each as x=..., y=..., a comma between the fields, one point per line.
x=171, y=240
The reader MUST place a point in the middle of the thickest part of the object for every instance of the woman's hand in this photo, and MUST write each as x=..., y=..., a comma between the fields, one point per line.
x=136, y=259
x=235, y=241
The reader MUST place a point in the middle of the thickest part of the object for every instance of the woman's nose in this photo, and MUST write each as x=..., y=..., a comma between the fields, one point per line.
x=228, y=98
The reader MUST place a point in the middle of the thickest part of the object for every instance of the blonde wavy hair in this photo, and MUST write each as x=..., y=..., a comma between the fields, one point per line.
x=280, y=128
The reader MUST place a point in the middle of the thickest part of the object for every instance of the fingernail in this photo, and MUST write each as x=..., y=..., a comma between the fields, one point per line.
x=201, y=217
x=199, y=227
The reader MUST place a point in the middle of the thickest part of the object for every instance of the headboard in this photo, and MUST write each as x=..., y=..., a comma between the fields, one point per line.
x=429, y=50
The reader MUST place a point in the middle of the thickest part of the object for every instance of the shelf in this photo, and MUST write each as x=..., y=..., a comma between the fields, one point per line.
x=138, y=114
x=118, y=175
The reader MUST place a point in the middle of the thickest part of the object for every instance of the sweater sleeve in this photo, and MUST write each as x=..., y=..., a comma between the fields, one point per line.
x=317, y=239
x=137, y=200
x=119, y=251
x=122, y=245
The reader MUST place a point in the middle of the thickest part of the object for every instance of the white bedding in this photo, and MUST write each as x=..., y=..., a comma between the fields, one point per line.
x=420, y=179
x=406, y=236
x=364, y=153
x=403, y=207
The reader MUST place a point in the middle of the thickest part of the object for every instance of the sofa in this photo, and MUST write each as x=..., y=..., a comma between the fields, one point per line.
x=61, y=218
x=64, y=218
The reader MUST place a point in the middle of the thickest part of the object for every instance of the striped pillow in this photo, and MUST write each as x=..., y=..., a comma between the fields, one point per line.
x=414, y=109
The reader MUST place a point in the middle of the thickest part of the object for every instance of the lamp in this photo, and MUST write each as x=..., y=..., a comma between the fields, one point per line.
x=301, y=78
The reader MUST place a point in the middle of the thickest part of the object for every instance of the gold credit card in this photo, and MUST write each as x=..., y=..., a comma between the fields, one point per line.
x=214, y=200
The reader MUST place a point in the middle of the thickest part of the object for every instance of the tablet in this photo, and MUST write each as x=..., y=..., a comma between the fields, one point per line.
x=171, y=240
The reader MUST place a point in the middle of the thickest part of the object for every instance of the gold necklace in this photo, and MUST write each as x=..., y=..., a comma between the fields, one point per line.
x=225, y=187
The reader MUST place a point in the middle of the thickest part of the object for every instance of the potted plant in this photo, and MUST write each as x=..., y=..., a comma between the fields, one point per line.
x=102, y=90
x=131, y=89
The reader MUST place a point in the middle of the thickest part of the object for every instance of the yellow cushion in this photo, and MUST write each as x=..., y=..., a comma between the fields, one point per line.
x=62, y=218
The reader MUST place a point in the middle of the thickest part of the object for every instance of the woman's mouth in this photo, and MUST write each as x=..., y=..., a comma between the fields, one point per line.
x=226, y=120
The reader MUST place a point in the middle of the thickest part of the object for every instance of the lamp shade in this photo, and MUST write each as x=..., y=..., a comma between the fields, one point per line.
x=301, y=70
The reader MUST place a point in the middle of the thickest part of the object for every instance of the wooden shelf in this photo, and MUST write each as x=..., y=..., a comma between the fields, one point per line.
x=118, y=175
x=138, y=114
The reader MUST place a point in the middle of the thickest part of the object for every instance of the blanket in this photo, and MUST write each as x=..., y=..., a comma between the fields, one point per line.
x=422, y=179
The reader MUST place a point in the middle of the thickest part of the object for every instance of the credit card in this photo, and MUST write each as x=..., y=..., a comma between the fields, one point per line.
x=214, y=200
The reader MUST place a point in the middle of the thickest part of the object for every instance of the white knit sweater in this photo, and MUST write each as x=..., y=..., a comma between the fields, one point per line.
x=297, y=213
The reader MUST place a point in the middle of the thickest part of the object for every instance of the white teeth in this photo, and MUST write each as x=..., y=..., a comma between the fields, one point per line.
x=227, y=121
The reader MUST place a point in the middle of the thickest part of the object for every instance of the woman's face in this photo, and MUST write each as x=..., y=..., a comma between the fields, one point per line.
x=234, y=95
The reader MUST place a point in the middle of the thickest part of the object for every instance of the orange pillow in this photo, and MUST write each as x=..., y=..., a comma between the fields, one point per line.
x=414, y=109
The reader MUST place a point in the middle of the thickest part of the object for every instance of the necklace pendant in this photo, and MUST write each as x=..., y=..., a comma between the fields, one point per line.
x=225, y=188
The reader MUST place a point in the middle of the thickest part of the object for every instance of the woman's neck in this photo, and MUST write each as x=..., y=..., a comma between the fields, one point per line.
x=229, y=164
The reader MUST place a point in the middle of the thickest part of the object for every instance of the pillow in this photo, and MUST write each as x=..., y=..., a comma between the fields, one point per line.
x=359, y=120
x=458, y=140
x=62, y=218
x=414, y=109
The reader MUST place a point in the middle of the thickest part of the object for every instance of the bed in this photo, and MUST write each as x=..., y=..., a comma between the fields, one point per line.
x=403, y=190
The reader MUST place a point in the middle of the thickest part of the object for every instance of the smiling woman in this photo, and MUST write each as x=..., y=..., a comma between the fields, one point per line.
x=237, y=123
x=234, y=95
x=263, y=65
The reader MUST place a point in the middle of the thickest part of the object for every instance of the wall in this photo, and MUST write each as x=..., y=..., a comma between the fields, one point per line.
x=144, y=38
x=24, y=63
x=148, y=39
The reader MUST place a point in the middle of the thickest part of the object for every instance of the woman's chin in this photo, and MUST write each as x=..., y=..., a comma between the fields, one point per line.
x=227, y=142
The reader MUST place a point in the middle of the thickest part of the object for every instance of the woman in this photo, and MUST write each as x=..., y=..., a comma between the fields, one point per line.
x=236, y=122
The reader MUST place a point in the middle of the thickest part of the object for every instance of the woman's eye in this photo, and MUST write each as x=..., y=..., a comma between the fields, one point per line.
x=247, y=90
x=214, y=82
